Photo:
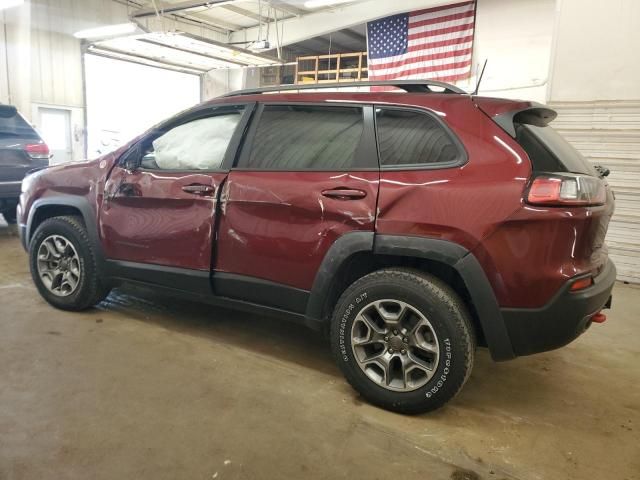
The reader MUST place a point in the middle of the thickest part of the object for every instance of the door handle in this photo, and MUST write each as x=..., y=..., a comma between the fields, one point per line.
x=198, y=189
x=344, y=193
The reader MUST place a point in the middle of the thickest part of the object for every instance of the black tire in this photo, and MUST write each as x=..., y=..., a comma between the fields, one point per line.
x=90, y=288
x=10, y=216
x=450, y=322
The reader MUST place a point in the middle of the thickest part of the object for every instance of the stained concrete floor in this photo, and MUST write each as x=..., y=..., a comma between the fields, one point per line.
x=150, y=388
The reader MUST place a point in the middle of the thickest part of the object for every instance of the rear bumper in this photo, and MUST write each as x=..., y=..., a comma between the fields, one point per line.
x=562, y=320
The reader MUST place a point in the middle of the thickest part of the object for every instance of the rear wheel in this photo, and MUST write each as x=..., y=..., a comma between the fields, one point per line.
x=63, y=264
x=403, y=340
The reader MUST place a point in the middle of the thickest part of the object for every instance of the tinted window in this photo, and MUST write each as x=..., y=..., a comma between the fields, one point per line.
x=305, y=137
x=412, y=138
x=16, y=126
x=549, y=152
x=197, y=145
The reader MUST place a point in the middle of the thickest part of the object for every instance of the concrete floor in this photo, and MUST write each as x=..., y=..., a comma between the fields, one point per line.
x=152, y=388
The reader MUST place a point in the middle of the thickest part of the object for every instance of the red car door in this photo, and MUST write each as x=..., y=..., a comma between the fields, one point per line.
x=306, y=175
x=159, y=208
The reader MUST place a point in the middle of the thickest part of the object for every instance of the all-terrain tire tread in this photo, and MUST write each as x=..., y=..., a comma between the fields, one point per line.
x=445, y=294
x=96, y=291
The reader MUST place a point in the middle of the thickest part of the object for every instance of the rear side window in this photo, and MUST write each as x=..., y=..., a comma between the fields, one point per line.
x=549, y=152
x=297, y=137
x=16, y=126
x=409, y=138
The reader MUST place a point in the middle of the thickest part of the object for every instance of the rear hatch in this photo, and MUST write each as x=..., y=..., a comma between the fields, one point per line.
x=21, y=149
x=561, y=178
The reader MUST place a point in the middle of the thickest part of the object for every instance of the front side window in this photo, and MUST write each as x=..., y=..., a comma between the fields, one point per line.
x=409, y=138
x=197, y=145
x=297, y=137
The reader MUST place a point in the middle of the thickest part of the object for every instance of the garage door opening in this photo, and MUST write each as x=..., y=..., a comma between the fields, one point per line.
x=124, y=99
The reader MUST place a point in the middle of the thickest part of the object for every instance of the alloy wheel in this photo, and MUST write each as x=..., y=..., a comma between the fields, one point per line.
x=395, y=345
x=59, y=265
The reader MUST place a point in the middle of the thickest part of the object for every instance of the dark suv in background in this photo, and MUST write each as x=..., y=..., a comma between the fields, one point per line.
x=21, y=150
x=410, y=227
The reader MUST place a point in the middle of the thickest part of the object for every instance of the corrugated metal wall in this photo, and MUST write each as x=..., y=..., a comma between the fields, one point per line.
x=608, y=133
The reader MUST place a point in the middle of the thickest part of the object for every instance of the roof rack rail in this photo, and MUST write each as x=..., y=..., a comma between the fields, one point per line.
x=411, y=86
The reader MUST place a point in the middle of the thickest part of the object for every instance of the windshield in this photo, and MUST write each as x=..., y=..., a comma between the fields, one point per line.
x=549, y=152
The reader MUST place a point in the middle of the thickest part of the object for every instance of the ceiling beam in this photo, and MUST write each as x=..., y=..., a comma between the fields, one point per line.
x=231, y=27
x=327, y=45
x=347, y=32
x=176, y=7
x=287, y=8
x=181, y=10
x=314, y=24
x=247, y=13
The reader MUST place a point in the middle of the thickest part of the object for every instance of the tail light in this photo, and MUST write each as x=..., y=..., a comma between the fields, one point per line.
x=37, y=151
x=566, y=190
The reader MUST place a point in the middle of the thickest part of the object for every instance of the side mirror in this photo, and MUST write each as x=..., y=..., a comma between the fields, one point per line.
x=130, y=160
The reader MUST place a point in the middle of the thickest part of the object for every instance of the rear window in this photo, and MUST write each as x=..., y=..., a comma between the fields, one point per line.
x=549, y=152
x=407, y=138
x=16, y=126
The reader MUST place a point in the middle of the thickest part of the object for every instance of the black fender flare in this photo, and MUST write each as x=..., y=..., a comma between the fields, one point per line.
x=339, y=252
x=444, y=251
x=79, y=203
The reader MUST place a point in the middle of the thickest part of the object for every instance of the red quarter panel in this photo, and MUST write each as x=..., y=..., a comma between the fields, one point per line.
x=462, y=204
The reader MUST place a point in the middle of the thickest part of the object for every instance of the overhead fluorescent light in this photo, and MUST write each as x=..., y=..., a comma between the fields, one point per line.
x=10, y=3
x=323, y=3
x=106, y=31
x=181, y=51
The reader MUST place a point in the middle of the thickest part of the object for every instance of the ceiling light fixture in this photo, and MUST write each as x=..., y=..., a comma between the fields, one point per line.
x=107, y=31
x=10, y=3
x=323, y=3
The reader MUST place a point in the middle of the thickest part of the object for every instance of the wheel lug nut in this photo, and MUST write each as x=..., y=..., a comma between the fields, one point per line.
x=403, y=351
x=405, y=340
x=386, y=339
x=391, y=350
x=395, y=332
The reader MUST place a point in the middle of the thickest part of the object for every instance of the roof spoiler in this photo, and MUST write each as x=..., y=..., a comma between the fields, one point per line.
x=7, y=111
x=506, y=113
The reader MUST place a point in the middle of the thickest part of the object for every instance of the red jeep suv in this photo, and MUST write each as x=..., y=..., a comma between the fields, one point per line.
x=409, y=225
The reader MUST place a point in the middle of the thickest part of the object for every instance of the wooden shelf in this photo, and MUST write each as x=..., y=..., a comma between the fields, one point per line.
x=339, y=67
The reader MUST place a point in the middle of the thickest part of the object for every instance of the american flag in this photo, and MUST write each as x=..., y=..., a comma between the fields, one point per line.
x=435, y=43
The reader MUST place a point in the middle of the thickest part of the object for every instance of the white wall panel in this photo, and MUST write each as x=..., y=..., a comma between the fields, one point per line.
x=596, y=52
x=515, y=38
x=4, y=74
x=608, y=133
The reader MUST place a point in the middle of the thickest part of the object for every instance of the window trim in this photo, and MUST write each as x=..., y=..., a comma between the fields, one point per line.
x=205, y=111
x=462, y=158
x=366, y=148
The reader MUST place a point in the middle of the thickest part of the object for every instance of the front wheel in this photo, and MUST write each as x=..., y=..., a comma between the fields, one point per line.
x=403, y=340
x=64, y=265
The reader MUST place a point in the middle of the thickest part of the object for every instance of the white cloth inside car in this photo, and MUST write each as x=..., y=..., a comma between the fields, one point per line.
x=197, y=145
